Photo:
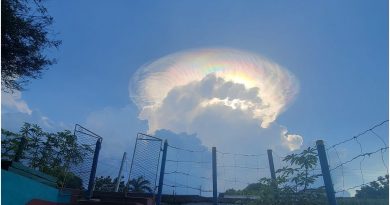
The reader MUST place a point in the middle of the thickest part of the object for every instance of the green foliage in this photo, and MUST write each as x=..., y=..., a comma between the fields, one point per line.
x=9, y=144
x=375, y=190
x=361, y=201
x=292, y=185
x=107, y=184
x=50, y=153
x=139, y=185
x=24, y=37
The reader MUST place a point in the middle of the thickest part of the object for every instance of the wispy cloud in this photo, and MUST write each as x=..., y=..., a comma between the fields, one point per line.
x=14, y=102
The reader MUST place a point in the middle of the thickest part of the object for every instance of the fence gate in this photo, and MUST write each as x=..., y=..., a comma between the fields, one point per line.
x=144, y=165
x=84, y=160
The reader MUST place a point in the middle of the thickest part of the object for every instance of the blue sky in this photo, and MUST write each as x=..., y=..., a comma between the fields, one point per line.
x=338, y=51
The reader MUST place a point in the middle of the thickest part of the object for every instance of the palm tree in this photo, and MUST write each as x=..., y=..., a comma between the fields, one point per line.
x=139, y=185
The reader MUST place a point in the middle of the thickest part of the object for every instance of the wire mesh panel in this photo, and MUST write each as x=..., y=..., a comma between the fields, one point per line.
x=238, y=170
x=144, y=165
x=64, y=155
x=81, y=155
x=358, y=162
x=188, y=171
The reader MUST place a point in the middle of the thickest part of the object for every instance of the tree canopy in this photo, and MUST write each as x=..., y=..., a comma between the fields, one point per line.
x=107, y=184
x=293, y=185
x=50, y=153
x=375, y=189
x=25, y=35
x=139, y=185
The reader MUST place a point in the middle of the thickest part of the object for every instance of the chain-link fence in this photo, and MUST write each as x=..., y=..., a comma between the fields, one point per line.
x=64, y=155
x=144, y=165
x=83, y=157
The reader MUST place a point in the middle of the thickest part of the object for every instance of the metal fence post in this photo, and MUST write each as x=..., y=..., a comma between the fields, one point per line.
x=91, y=182
x=272, y=168
x=326, y=173
x=162, y=171
x=120, y=173
x=214, y=166
x=271, y=164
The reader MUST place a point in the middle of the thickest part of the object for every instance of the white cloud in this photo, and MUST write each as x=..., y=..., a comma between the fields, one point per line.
x=15, y=111
x=118, y=127
x=291, y=141
x=13, y=102
x=243, y=81
x=221, y=114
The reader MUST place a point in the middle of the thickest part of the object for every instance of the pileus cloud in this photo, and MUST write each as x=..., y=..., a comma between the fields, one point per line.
x=185, y=92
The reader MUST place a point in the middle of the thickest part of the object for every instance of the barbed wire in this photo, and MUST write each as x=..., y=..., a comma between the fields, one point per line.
x=187, y=187
x=342, y=167
x=240, y=154
x=187, y=161
x=357, y=186
x=358, y=156
x=187, y=174
x=242, y=167
x=360, y=134
x=187, y=150
x=232, y=163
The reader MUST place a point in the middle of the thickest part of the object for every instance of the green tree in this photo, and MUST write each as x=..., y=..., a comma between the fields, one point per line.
x=292, y=184
x=35, y=140
x=24, y=37
x=139, y=185
x=50, y=153
x=104, y=184
x=376, y=189
x=9, y=144
x=107, y=184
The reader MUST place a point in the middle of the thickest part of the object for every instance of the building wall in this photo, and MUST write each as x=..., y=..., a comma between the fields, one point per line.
x=19, y=190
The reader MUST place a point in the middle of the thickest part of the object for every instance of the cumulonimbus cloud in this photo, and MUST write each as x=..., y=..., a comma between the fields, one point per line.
x=174, y=92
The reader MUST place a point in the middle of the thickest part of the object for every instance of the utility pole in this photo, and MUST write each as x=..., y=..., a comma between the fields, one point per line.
x=120, y=173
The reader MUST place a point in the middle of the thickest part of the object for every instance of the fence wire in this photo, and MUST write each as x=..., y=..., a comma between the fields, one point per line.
x=145, y=162
x=238, y=170
x=86, y=141
x=188, y=171
x=359, y=160
x=65, y=155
